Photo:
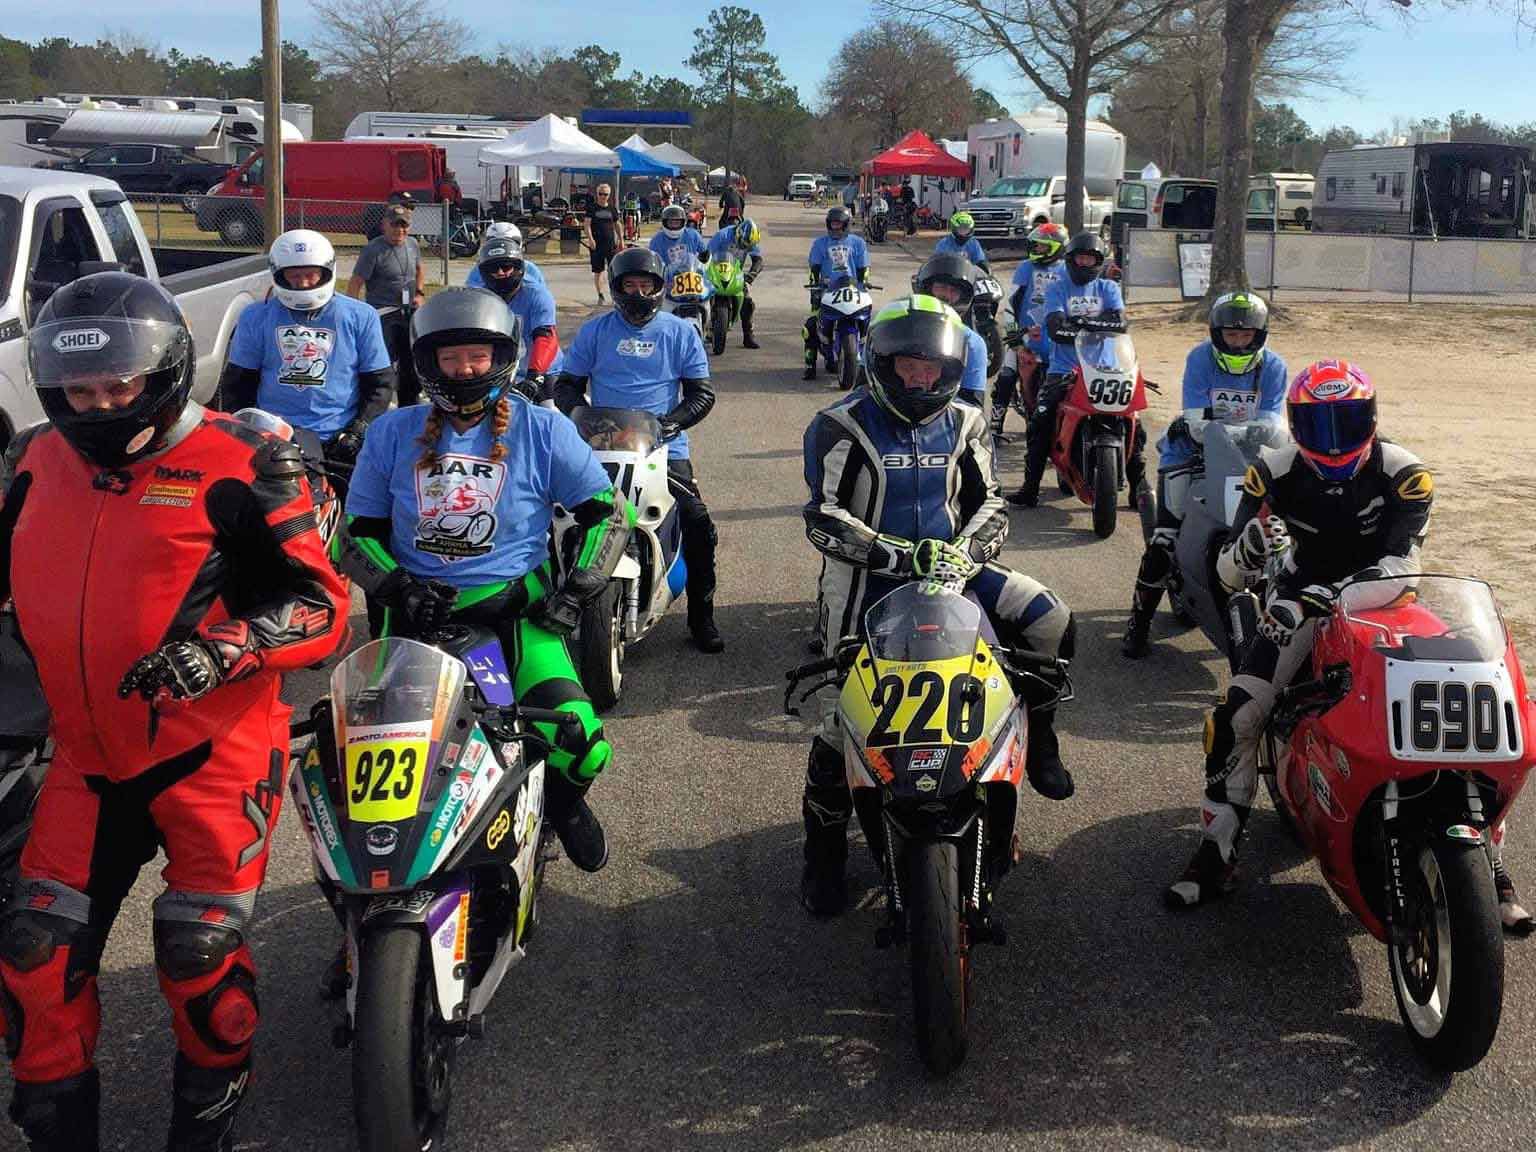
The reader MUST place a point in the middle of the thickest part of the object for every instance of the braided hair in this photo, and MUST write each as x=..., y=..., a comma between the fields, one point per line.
x=501, y=420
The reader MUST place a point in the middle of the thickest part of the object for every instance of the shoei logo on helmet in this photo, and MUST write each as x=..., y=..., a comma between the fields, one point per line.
x=81, y=340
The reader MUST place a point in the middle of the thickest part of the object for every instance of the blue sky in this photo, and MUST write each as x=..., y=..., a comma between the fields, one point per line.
x=1438, y=63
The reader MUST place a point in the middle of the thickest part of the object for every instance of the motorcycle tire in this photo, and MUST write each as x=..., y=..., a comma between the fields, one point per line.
x=1266, y=766
x=936, y=941
x=847, y=361
x=994, y=341
x=717, y=325
x=1106, y=485
x=600, y=657
x=401, y=1063
x=1451, y=1016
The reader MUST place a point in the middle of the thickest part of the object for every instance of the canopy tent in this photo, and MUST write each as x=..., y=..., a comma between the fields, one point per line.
x=550, y=143
x=632, y=163
x=670, y=153
x=915, y=154
x=637, y=142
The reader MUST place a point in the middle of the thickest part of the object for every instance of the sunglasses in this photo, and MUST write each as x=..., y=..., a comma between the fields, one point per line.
x=399, y=223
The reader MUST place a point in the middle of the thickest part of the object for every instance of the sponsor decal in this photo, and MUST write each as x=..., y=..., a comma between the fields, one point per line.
x=451, y=752
x=169, y=495
x=498, y=830
x=182, y=474
x=927, y=760
x=446, y=936
x=1419, y=486
x=81, y=340
x=322, y=816
x=381, y=839
x=414, y=903
x=1253, y=483
x=1323, y=792
x=461, y=936
x=927, y=782
x=474, y=755
x=1341, y=763
x=379, y=878
x=1331, y=388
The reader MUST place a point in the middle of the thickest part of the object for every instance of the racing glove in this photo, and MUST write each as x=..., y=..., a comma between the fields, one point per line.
x=348, y=443
x=1317, y=600
x=1260, y=541
x=180, y=670
x=424, y=604
x=558, y=613
x=934, y=559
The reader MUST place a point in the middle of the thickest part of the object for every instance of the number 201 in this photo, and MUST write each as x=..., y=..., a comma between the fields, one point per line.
x=963, y=720
x=1454, y=717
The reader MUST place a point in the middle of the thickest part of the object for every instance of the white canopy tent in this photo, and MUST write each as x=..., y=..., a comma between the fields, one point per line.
x=638, y=143
x=670, y=153
x=549, y=143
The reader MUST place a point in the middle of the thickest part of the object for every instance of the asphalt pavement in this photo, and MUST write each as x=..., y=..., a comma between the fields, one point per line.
x=681, y=999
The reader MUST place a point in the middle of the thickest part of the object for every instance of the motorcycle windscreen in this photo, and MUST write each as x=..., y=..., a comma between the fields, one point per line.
x=617, y=429
x=1107, y=353
x=1428, y=618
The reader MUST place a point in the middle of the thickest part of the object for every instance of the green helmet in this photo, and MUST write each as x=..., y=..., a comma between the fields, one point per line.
x=1238, y=310
x=925, y=328
x=961, y=225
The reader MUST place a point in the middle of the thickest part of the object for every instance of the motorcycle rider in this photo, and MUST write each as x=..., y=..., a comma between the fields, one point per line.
x=677, y=240
x=1233, y=378
x=901, y=485
x=1035, y=274
x=908, y=205
x=504, y=229
x=479, y=451
x=638, y=356
x=961, y=238
x=1079, y=301
x=741, y=243
x=949, y=277
x=308, y=355
x=166, y=570
x=503, y=271
x=837, y=253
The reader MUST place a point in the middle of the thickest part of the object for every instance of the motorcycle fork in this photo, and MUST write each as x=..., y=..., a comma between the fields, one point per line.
x=1396, y=903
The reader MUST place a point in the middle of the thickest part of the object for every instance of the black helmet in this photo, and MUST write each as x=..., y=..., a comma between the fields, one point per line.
x=953, y=268
x=1084, y=242
x=1238, y=310
x=498, y=254
x=837, y=214
x=674, y=218
x=924, y=327
x=112, y=327
x=637, y=308
x=465, y=316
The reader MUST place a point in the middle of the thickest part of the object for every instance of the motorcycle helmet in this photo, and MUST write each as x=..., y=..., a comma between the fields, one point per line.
x=927, y=329
x=954, y=270
x=303, y=248
x=748, y=236
x=1084, y=242
x=502, y=230
x=674, y=218
x=636, y=307
x=108, y=330
x=465, y=316
x=841, y=218
x=1242, y=311
x=501, y=265
x=1331, y=406
x=1044, y=243
x=961, y=225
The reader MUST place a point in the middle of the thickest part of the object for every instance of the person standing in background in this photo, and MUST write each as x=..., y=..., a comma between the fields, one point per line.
x=602, y=235
x=389, y=276
x=733, y=202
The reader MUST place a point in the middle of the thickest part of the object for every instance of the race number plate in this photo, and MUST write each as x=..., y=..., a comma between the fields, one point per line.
x=843, y=296
x=385, y=770
x=687, y=284
x=986, y=287
x=1452, y=712
x=934, y=703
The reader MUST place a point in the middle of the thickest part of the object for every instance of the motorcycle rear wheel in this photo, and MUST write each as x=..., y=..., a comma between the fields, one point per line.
x=848, y=361
x=601, y=656
x=1448, y=976
x=1106, y=484
x=401, y=1064
x=939, y=955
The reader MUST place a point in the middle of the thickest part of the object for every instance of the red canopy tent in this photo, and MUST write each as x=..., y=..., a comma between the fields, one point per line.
x=915, y=154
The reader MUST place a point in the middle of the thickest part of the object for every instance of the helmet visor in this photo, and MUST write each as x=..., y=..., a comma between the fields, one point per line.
x=102, y=349
x=1334, y=429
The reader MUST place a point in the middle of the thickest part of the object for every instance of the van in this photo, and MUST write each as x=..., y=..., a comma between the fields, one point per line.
x=332, y=186
x=1180, y=204
x=1294, y=190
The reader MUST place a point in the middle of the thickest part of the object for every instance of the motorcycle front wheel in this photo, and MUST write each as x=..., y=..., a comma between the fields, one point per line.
x=939, y=954
x=601, y=656
x=1448, y=973
x=402, y=1064
x=847, y=361
x=1106, y=484
x=717, y=322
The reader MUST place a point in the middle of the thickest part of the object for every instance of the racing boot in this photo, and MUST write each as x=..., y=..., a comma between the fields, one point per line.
x=747, y=340
x=1516, y=920
x=204, y=1103
x=1042, y=763
x=1138, y=628
x=61, y=1116
x=581, y=835
x=825, y=807
x=1206, y=877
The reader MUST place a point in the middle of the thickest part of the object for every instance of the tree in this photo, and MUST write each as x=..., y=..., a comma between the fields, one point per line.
x=1278, y=136
x=1071, y=50
x=984, y=106
x=894, y=77
x=16, y=79
x=728, y=55
x=392, y=50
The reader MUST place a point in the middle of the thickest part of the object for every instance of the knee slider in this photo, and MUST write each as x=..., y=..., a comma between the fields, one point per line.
x=29, y=939
x=206, y=974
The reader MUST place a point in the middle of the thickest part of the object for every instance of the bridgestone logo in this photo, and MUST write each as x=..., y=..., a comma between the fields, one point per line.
x=81, y=340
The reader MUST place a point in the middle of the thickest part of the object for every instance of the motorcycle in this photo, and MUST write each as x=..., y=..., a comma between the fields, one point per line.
x=879, y=219
x=843, y=308
x=695, y=213
x=652, y=573
x=25, y=751
x=1392, y=764
x=1096, y=423
x=631, y=219
x=934, y=739
x=728, y=288
x=688, y=292
x=422, y=790
x=984, y=305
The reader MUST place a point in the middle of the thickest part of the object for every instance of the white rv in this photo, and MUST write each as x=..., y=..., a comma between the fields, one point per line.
x=1441, y=189
x=235, y=112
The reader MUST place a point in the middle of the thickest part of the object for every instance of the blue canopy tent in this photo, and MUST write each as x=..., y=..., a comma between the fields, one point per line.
x=633, y=163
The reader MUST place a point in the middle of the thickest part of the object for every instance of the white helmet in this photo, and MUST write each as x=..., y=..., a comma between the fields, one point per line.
x=503, y=230
x=302, y=248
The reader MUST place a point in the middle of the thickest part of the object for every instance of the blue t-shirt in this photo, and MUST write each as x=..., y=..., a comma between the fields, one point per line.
x=535, y=307
x=1090, y=299
x=723, y=244
x=843, y=256
x=309, y=361
x=973, y=385
x=1035, y=281
x=971, y=249
x=1231, y=399
x=640, y=368
x=531, y=274
x=676, y=249
x=466, y=520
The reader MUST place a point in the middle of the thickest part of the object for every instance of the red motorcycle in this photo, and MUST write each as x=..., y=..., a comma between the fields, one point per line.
x=1393, y=764
x=1096, y=423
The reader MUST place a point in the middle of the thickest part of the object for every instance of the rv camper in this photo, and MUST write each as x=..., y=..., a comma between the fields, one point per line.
x=1448, y=189
x=242, y=116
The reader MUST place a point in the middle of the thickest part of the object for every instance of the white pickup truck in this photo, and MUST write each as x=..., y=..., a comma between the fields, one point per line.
x=58, y=226
x=1014, y=205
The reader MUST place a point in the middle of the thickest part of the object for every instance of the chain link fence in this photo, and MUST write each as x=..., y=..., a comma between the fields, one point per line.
x=1164, y=265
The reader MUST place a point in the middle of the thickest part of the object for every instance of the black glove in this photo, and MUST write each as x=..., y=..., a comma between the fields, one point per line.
x=425, y=604
x=180, y=670
x=670, y=429
x=558, y=613
x=1178, y=428
x=535, y=386
x=347, y=443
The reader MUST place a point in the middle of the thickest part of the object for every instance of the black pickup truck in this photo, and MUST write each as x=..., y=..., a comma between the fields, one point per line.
x=150, y=169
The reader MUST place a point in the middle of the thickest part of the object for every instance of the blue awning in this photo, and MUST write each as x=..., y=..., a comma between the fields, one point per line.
x=635, y=118
x=639, y=164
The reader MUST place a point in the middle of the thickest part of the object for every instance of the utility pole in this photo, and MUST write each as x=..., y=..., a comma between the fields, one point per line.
x=272, y=100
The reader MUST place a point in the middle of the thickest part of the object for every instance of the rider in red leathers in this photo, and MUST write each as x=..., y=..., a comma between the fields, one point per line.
x=166, y=569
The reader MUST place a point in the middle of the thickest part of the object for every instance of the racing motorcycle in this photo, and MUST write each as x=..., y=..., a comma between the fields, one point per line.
x=1393, y=762
x=728, y=288
x=934, y=739
x=651, y=574
x=843, y=310
x=1096, y=423
x=25, y=750
x=688, y=292
x=422, y=791
x=879, y=219
x=984, y=305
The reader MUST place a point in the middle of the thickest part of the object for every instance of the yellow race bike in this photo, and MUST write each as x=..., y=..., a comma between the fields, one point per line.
x=934, y=735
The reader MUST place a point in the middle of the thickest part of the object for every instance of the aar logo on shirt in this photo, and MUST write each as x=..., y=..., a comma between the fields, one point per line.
x=841, y=256
x=630, y=346
x=306, y=353
x=456, y=506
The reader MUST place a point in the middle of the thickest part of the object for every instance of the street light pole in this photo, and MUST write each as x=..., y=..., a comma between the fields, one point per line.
x=272, y=99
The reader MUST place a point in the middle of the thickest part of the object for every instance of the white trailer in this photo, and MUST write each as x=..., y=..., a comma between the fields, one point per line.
x=236, y=111
x=1441, y=189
